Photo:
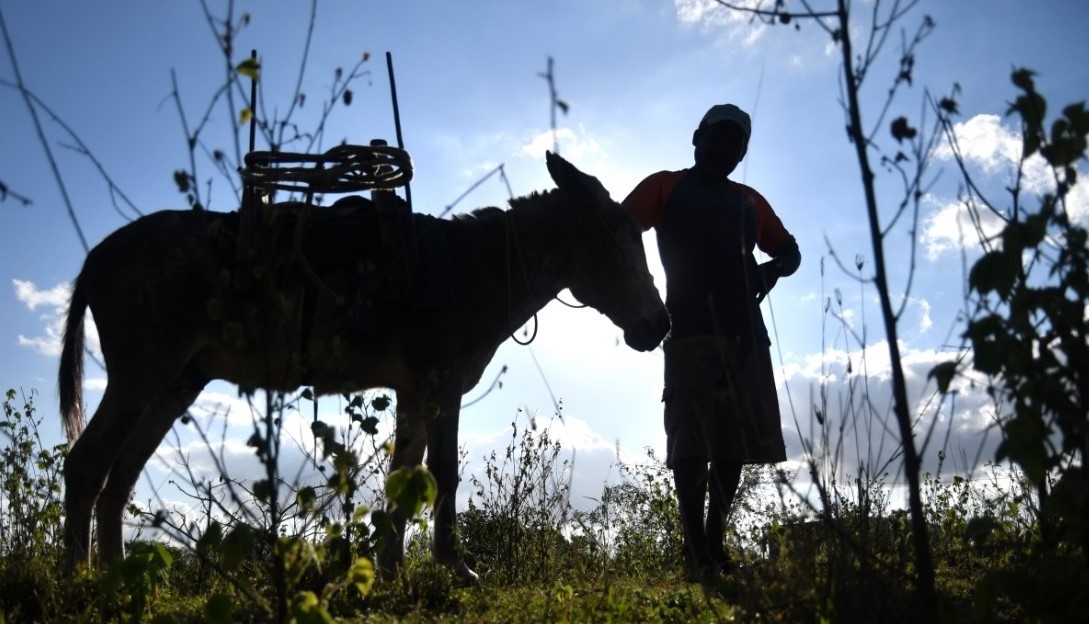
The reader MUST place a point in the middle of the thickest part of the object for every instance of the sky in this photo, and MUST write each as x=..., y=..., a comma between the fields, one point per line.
x=636, y=75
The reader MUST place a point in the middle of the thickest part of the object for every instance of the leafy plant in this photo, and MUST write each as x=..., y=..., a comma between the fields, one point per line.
x=513, y=528
x=1030, y=336
x=30, y=484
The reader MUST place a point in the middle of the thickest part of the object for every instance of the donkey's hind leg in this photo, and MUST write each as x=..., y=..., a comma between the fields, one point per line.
x=141, y=444
x=88, y=463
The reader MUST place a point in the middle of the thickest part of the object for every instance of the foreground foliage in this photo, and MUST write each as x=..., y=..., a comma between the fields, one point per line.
x=615, y=562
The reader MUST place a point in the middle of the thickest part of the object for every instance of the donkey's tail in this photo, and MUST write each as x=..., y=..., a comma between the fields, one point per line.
x=70, y=375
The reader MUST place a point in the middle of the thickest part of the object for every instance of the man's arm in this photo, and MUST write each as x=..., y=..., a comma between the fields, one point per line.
x=787, y=258
x=647, y=201
x=773, y=239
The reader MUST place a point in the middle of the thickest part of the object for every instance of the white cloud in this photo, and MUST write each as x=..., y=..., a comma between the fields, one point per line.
x=953, y=227
x=991, y=152
x=576, y=146
x=925, y=322
x=1077, y=201
x=54, y=300
x=855, y=403
x=709, y=14
x=29, y=294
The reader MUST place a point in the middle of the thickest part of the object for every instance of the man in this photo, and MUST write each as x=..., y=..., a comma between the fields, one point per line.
x=720, y=401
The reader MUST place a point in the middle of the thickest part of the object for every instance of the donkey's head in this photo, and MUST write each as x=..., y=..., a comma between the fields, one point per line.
x=610, y=272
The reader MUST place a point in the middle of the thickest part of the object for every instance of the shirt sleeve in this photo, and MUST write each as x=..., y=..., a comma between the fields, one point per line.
x=772, y=236
x=647, y=201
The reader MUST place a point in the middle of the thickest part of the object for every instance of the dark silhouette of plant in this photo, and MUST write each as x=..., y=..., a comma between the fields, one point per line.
x=512, y=528
x=1029, y=334
x=860, y=48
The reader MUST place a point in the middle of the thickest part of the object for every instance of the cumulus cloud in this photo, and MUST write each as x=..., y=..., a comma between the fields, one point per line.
x=952, y=227
x=576, y=144
x=33, y=297
x=925, y=322
x=708, y=15
x=851, y=390
x=53, y=302
x=991, y=152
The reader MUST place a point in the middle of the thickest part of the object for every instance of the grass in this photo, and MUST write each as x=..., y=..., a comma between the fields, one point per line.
x=542, y=561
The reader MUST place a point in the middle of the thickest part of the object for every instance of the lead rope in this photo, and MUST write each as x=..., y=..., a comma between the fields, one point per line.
x=511, y=232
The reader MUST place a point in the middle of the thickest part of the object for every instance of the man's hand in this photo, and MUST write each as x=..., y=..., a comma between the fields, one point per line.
x=769, y=276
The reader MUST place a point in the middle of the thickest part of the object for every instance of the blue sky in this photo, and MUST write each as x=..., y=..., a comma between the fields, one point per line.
x=637, y=74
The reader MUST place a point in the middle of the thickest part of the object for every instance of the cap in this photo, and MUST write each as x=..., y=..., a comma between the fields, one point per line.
x=728, y=112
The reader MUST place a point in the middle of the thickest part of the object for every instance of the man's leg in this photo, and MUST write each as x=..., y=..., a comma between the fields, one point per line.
x=725, y=478
x=690, y=479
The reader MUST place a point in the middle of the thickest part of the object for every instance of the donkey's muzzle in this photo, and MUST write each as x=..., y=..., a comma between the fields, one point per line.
x=648, y=334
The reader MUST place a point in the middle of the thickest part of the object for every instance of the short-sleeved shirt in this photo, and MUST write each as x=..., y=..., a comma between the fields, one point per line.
x=707, y=232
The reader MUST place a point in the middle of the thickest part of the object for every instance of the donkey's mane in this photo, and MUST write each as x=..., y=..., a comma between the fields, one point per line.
x=491, y=212
x=533, y=197
x=478, y=214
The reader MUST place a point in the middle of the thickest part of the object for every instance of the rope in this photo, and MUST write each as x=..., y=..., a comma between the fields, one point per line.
x=512, y=234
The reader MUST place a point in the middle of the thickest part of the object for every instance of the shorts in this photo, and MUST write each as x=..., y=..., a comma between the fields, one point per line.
x=720, y=402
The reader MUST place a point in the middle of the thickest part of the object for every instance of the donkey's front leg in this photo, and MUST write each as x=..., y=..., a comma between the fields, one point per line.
x=409, y=442
x=442, y=460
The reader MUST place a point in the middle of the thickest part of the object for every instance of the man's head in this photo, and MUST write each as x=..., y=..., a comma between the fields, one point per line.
x=721, y=140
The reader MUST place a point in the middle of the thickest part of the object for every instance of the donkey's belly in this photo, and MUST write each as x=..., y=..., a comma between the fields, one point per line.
x=328, y=368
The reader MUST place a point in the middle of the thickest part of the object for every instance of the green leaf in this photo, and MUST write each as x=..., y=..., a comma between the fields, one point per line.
x=181, y=179
x=262, y=490
x=989, y=343
x=244, y=116
x=306, y=498
x=161, y=557
x=979, y=529
x=361, y=575
x=249, y=68
x=1022, y=78
x=901, y=129
x=411, y=489
x=948, y=105
x=307, y=609
x=212, y=538
x=218, y=609
x=380, y=403
x=237, y=547
x=995, y=271
x=943, y=373
x=1035, y=228
x=1025, y=443
x=369, y=425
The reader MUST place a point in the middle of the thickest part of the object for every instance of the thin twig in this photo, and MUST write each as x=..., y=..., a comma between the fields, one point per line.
x=41, y=134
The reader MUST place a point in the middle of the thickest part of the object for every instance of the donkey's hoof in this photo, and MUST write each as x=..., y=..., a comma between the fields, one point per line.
x=465, y=575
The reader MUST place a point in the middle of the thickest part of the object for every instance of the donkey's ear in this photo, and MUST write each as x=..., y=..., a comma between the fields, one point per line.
x=570, y=180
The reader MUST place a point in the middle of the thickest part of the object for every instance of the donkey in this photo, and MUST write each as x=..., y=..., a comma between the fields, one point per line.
x=171, y=318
